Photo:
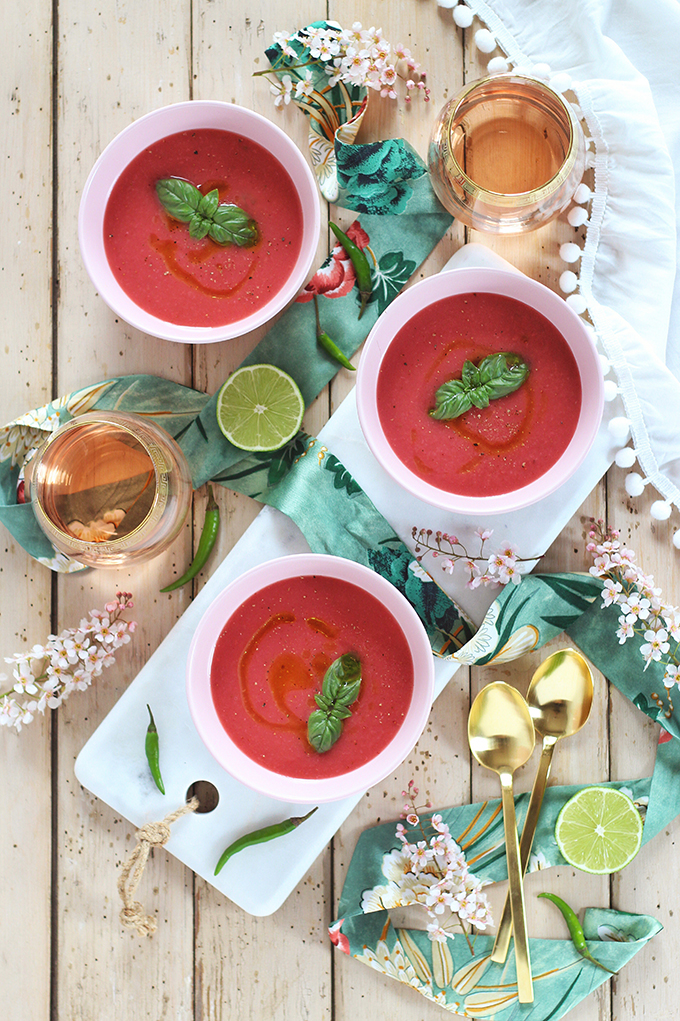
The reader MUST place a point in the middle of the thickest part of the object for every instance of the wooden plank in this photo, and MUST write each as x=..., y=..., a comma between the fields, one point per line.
x=26, y=363
x=647, y=885
x=275, y=967
x=116, y=62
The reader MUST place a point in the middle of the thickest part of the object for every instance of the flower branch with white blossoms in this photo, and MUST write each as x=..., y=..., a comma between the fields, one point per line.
x=45, y=676
x=503, y=567
x=356, y=57
x=642, y=611
x=431, y=871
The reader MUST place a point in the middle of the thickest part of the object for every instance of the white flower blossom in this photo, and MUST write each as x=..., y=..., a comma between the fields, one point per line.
x=611, y=592
x=357, y=56
x=432, y=872
x=282, y=90
x=304, y=87
x=643, y=611
x=670, y=677
x=656, y=646
x=635, y=606
x=67, y=662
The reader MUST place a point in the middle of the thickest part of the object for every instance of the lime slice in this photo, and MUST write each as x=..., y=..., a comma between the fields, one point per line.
x=599, y=830
x=259, y=408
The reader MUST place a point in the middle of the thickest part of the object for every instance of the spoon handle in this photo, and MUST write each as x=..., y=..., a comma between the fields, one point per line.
x=502, y=941
x=519, y=926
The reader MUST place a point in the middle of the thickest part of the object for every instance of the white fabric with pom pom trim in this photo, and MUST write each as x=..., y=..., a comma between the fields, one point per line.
x=485, y=41
x=661, y=510
x=619, y=430
x=462, y=16
x=625, y=458
x=635, y=484
x=577, y=216
x=497, y=65
x=570, y=252
x=568, y=281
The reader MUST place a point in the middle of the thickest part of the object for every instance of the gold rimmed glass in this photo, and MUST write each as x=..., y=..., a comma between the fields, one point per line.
x=109, y=488
x=506, y=154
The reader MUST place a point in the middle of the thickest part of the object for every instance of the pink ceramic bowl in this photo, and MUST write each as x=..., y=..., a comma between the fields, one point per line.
x=299, y=790
x=152, y=127
x=515, y=285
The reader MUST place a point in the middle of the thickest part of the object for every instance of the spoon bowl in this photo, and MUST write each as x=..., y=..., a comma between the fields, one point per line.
x=560, y=694
x=500, y=728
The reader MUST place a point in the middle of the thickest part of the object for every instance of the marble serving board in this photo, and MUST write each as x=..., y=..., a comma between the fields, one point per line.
x=112, y=764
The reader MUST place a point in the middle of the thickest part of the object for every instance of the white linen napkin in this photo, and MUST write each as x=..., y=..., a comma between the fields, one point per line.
x=623, y=58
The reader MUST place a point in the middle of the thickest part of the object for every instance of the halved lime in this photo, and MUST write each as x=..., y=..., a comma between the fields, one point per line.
x=599, y=830
x=259, y=408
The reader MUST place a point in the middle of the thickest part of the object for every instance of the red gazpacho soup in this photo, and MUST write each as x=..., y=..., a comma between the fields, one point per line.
x=269, y=662
x=192, y=282
x=488, y=451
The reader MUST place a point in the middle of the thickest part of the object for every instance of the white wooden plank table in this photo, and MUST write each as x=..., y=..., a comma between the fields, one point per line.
x=73, y=74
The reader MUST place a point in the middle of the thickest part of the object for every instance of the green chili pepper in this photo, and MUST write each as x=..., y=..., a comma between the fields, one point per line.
x=333, y=350
x=152, y=752
x=328, y=344
x=279, y=829
x=362, y=267
x=575, y=930
x=206, y=542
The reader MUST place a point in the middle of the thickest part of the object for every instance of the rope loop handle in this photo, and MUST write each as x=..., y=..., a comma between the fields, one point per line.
x=152, y=834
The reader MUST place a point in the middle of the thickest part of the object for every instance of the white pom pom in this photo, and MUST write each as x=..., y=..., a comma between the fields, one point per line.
x=570, y=252
x=560, y=82
x=541, y=71
x=661, y=510
x=497, y=65
x=676, y=539
x=605, y=363
x=577, y=303
x=568, y=281
x=625, y=458
x=583, y=194
x=485, y=41
x=634, y=484
x=447, y=4
x=577, y=216
x=619, y=430
x=610, y=389
x=462, y=16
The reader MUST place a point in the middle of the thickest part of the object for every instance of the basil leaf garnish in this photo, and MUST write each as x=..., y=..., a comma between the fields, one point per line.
x=496, y=376
x=199, y=226
x=232, y=221
x=224, y=222
x=340, y=688
x=208, y=204
x=179, y=198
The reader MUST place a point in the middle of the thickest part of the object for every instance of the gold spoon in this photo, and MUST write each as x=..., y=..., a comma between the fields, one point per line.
x=560, y=697
x=501, y=736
